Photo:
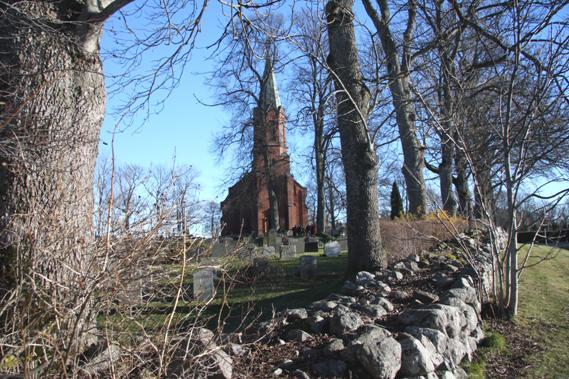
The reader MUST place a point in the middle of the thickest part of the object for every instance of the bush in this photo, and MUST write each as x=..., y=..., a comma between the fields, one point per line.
x=403, y=237
x=325, y=238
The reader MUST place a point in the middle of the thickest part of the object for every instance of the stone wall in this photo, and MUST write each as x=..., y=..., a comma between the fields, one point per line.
x=418, y=319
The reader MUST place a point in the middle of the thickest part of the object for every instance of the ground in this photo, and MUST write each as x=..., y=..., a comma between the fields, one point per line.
x=537, y=341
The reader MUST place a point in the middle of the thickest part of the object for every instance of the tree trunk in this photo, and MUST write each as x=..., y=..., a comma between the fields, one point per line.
x=360, y=162
x=332, y=206
x=461, y=185
x=484, y=194
x=52, y=100
x=445, y=178
x=320, y=168
x=413, y=152
x=447, y=148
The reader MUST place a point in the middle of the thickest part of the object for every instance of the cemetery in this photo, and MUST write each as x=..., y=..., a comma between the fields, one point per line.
x=395, y=206
x=281, y=310
x=425, y=309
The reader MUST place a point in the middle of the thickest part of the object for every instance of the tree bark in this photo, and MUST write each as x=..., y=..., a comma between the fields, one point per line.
x=360, y=161
x=445, y=178
x=484, y=194
x=413, y=152
x=52, y=100
x=461, y=185
x=320, y=171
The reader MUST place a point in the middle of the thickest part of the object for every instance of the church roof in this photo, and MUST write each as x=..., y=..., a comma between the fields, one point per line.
x=269, y=92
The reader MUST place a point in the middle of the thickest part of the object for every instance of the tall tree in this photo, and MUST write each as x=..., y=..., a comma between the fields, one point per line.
x=400, y=87
x=522, y=103
x=360, y=161
x=52, y=101
x=249, y=61
x=312, y=88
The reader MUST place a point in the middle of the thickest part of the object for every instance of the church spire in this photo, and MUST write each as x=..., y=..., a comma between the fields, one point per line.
x=269, y=93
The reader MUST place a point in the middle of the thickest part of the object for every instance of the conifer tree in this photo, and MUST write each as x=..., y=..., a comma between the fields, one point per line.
x=396, y=202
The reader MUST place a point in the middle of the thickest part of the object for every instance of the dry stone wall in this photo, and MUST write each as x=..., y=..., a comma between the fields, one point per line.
x=420, y=318
x=381, y=328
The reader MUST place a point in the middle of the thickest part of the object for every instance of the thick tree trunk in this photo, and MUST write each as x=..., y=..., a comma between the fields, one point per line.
x=413, y=152
x=52, y=106
x=360, y=162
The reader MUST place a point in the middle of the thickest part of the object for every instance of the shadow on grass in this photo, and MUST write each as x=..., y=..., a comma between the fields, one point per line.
x=259, y=297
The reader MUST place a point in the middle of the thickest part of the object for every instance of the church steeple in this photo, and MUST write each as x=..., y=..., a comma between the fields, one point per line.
x=270, y=124
x=269, y=95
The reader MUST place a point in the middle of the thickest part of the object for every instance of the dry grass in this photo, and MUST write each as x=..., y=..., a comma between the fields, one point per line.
x=402, y=238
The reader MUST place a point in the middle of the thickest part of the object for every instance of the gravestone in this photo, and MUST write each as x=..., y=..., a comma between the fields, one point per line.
x=247, y=252
x=267, y=251
x=218, y=249
x=343, y=244
x=298, y=243
x=332, y=249
x=272, y=238
x=308, y=267
x=288, y=252
x=311, y=246
x=204, y=289
x=223, y=247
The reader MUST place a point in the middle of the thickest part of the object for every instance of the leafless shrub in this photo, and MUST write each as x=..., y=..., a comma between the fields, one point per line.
x=143, y=317
x=402, y=238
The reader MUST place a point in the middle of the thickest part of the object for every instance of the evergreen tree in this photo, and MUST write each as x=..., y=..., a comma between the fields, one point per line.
x=396, y=202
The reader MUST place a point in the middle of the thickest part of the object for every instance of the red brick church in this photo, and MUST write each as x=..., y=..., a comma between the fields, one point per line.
x=246, y=209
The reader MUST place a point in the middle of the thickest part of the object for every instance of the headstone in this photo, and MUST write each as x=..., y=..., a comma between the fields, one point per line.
x=288, y=252
x=218, y=249
x=343, y=244
x=224, y=247
x=308, y=267
x=204, y=289
x=247, y=252
x=332, y=249
x=298, y=243
x=311, y=247
x=268, y=251
x=273, y=237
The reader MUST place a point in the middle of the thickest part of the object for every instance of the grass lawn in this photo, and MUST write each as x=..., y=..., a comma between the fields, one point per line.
x=544, y=312
x=285, y=289
x=279, y=290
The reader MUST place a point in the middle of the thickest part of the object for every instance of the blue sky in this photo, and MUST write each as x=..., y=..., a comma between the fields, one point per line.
x=183, y=129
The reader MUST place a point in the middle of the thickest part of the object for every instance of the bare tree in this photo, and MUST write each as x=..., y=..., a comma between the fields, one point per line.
x=312, y=90
x=358, y=154
x=400, y=86
x=52, y=101
x=211, y=218
x=335, y=189
x=524, y=64
x=128, y=200
x=185, y=200
x=248, y=94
